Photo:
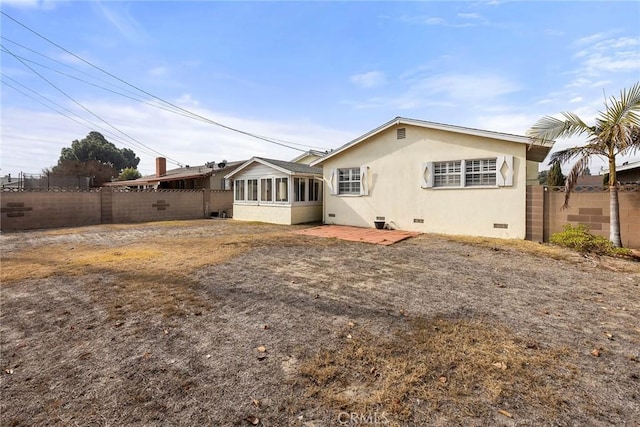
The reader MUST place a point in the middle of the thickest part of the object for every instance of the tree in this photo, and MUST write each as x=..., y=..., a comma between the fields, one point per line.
x=616, y=132
x=128, y=174
x=98, y=172
x=96, y=147
x=95, y=157
x=555, y=178
x=543, y=176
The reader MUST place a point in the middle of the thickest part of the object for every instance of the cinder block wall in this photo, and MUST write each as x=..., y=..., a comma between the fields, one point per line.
x=592, y=209
x=535, y=213
x=220, y=202
x=29, y=210
x=141, y=206
x=26, y=210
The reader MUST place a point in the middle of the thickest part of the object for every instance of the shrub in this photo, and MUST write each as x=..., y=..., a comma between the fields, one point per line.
x=580, y=239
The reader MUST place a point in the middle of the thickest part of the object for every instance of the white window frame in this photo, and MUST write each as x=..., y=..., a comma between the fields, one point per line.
x=315, y=190
x=277, y=190
x=252, y=190
x=268, y=189
x=239, y=188
x=480, y=172
x=494, y=172
x=349, y=181
x=447, y=174
x=299, y=183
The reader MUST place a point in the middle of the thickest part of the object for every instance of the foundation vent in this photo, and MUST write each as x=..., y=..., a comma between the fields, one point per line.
x=500, y=225
x=418, y=221
x=331, y=215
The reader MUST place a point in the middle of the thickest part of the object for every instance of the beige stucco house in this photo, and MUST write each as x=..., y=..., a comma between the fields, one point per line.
x=277, y=192
x=430, y=177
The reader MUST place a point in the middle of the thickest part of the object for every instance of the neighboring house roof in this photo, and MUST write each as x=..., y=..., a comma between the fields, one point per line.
x=288, y=168
x=537, y=151
x=191, y=172
x=626, y=166
x=309, y=153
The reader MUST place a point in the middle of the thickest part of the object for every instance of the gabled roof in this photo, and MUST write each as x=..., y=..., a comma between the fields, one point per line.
x=309, y=153
x=537, y=151
x=289, y=168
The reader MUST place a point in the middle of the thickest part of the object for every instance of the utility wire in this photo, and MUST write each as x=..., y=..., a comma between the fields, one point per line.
x=143, y=101
x=85, y=108
x=194, y=115
x=90, y=124
x=132, y=97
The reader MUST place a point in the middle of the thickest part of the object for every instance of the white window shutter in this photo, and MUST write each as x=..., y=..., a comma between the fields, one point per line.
x=364, y=181
x=506, y=163
x=333, y=188
x=426, y=175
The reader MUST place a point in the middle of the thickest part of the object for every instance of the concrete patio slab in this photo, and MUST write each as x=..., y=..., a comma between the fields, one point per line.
x=358, y=234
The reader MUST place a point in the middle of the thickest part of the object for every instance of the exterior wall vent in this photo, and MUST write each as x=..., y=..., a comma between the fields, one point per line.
x=401, y=133
x=500, y=225
x=379, y=218
x=331, y=215
x=418, y=221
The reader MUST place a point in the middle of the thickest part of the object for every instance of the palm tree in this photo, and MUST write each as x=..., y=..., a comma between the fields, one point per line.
x=616, y=132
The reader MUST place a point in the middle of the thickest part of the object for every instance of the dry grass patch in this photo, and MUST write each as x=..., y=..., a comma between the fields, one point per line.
x=155, y=275
x=445, y=368
x=526, y=246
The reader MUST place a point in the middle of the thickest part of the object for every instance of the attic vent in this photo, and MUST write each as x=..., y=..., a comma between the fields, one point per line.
x=402, y=133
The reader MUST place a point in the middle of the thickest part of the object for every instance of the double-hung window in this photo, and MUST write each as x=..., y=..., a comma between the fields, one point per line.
x=489, y=172
x=447, y=174
x=252, y=190
x=349, y=181
x=480, y=172
x=239, y=186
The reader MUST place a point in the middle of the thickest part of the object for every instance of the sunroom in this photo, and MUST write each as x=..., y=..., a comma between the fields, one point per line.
x=277, y=192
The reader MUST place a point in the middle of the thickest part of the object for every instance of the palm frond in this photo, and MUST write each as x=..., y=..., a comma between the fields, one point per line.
x=623, y=111
x=572, y=178
x=568, y=154
x=549, y=128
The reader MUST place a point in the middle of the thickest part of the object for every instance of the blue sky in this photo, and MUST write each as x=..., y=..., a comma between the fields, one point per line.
x=314, y=74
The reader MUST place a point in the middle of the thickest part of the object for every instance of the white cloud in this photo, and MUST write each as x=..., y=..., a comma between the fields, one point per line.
x=122, y=20
x=576, y=99
x=466, y=86
x=435, y=21
x=31, y=4
x=158, y=72
x=600, y=57
x=369, y=79
x=590, y=39
x=469, y=15
x=185, y=140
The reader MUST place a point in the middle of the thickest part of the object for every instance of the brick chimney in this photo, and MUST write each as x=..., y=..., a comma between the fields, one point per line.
x=161, y=167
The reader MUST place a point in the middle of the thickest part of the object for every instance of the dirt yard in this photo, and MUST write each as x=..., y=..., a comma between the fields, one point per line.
x=221, y=323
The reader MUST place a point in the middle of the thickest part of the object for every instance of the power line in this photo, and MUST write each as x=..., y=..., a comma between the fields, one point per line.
x=90, y=124
x=85, y=108
x=190, y=113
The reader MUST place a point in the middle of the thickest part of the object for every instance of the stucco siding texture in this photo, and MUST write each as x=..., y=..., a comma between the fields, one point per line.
x=395, y=191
